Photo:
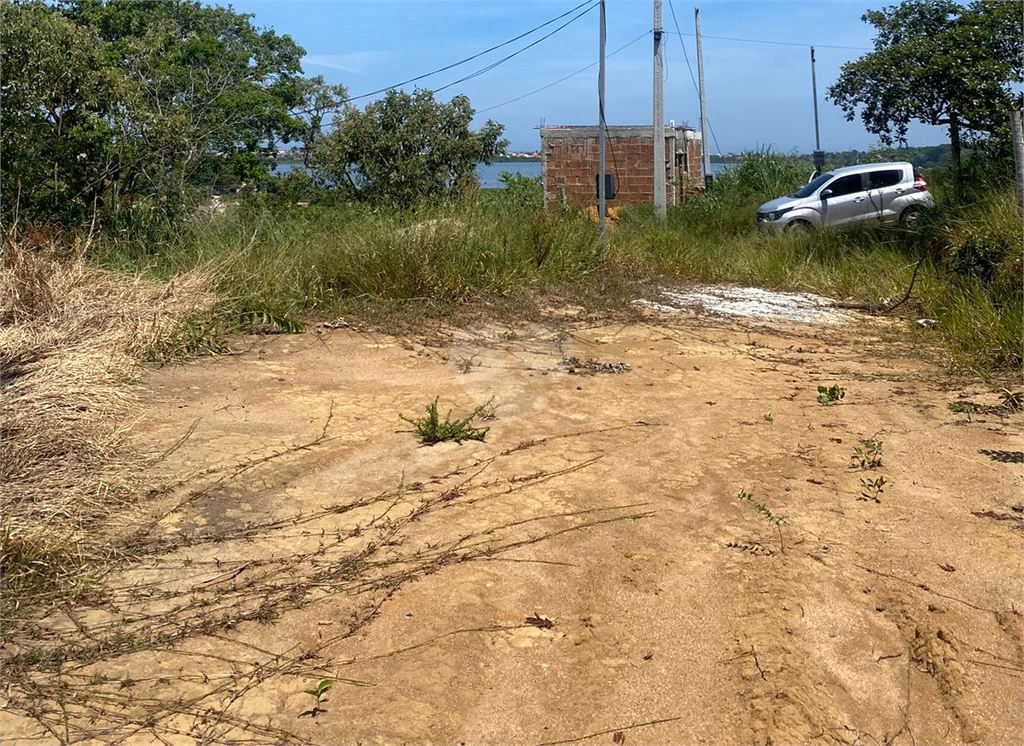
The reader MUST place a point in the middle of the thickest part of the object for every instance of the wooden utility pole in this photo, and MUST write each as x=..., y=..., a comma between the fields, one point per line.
x=1018, y=156
x=705, y=144
x=602, y=202
x=659, y=117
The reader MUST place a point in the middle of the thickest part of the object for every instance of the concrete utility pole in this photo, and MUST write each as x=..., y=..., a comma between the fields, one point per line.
x=601, y=198
x=659, y=117
x=705, y=143
x=1018, y=156
x=819, y=154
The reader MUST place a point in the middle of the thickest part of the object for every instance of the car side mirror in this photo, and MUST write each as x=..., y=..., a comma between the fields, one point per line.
x=825, y=193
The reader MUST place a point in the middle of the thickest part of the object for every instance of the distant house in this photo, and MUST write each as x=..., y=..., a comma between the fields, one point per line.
x=570, y=164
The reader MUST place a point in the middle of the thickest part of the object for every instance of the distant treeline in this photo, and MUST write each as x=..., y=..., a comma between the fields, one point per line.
x=931, y=156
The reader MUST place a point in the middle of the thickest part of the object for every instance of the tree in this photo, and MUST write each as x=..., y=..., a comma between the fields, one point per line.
x=318, y=98
x=107, y=104
x=407, y=149
x=940, y=63
x=57, y=122
x=213, y=92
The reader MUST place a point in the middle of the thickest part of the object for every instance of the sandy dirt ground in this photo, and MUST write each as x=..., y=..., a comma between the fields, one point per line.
x=681, y=551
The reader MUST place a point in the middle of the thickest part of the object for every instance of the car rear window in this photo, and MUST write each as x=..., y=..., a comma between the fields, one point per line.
x=887, y=178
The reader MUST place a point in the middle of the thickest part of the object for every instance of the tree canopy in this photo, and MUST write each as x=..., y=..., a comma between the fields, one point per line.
x=128, y=111
x=407, y=148
x=940, y=63
x=106, y=103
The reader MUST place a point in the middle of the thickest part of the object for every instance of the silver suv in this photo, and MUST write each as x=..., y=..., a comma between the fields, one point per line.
x=851, y=197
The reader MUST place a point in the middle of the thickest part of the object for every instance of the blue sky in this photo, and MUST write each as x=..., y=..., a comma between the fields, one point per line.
x=758, y=94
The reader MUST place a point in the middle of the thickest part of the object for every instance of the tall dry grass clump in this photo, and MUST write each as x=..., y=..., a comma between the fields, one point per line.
x=71, y=336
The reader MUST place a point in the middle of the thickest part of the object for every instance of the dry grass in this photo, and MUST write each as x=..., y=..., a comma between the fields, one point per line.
x=70, y=342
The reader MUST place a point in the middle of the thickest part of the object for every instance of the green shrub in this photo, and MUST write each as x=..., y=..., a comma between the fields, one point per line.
x=522, y=192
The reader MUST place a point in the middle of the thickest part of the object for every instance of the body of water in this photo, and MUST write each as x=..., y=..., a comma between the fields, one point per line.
x=489, y=174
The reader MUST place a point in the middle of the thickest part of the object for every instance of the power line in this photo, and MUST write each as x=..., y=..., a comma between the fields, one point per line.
x=505, y=59
x=592, y=4
x=686, y=56
x=779, y=43
x=562, y=80
x=675, y=20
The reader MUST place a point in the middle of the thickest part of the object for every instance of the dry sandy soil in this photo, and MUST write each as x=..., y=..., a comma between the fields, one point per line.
x=589, y=573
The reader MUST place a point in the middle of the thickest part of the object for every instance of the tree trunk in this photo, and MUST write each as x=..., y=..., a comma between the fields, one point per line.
x=954, y=141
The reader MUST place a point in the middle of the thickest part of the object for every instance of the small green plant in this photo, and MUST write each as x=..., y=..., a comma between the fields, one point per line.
x=201, y=334
x=869, y=456
x=1012, y=401
x=431, y=429
x=265, y=321
x=769, y=416
x=766, y=512
x=962, y=408
x=871, y=489
x=319, y=692
x=465, y=365
x=830, y=394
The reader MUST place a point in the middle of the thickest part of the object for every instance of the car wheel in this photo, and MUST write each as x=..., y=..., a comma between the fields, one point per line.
x=910, y=216
x=799, y=227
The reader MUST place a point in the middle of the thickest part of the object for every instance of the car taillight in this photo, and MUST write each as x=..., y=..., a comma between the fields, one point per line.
x=920, y=185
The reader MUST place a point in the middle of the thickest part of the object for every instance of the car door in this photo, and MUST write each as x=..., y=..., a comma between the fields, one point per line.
x=847, y=204
x=884, y=187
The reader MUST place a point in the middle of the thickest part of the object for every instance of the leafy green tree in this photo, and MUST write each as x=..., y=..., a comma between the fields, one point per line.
x=214, y=93
x=407, y=149
x=58, y=119
x=940, y=63
x=318, y=98
x=109, y=105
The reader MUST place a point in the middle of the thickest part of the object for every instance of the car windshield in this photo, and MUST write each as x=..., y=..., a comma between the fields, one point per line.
x=812, y=186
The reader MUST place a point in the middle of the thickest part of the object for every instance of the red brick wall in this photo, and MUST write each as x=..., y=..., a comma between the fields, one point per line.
x=688, y=169
x=570, y=166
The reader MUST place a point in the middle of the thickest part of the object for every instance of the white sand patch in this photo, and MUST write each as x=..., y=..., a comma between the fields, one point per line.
x=750, y=303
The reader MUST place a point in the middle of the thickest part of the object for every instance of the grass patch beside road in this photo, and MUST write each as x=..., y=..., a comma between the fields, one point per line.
x=280, y=263
x=71, y=337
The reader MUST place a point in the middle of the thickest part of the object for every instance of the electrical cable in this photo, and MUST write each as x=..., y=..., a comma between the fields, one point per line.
x=562, y=80
x=592, y=4
x=611, y=149
x=696, y=89
x=779, y=43
x=505, y=59
x=607, y=135
x=686, y=56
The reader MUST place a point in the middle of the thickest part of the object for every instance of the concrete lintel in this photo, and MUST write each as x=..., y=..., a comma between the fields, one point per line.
x=614, y=131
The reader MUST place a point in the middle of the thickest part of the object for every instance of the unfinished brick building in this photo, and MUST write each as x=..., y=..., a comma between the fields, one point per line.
x=570, y=161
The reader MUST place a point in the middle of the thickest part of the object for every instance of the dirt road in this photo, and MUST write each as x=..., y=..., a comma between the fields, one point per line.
x=683, y=551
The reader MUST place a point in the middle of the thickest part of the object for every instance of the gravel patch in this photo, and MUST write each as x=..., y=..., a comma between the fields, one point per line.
x=750, y=303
